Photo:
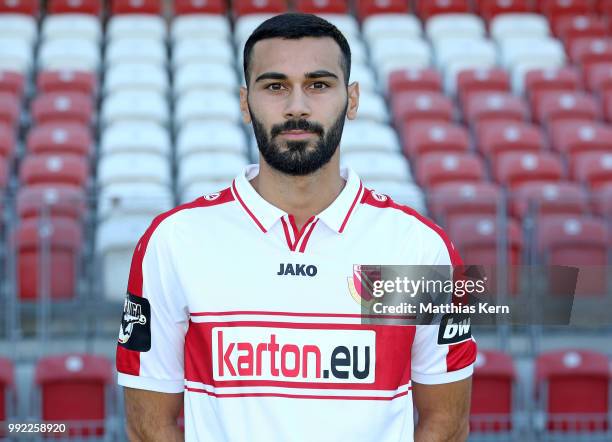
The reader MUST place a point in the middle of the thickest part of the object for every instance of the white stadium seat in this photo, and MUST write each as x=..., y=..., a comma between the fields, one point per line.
x=126, y=105
x=18, y=26
x=136, y=77
x=245, y=25
x=347, y=24
x=143, y=26
x=363, y=135
x=125, y=199
x=359, y=53
x=407, y=193
x=202, y=50
x=363, y=74
x=210, y=166
x=83, y=26
x=391, y=26
x=542, y=51
x=205, y=76
x=519, y=71
x=519, y=26
x=388, y=54
x=135, y=50
x=469, y=51
x=135, y=137
x=69, y=53
x=116, y=239
x=201, y=188
x=370, y=166
x=372, y=107
x=16, y=55
x=200, y=26
x=133, y=168
x=207, y=105
x=215, y=136
x=450, y=26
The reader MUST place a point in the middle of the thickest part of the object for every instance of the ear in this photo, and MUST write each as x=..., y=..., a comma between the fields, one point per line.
x=244, y=107
x=353, y=100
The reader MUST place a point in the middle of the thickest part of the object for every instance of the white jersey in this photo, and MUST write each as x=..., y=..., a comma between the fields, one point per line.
x=258, y=322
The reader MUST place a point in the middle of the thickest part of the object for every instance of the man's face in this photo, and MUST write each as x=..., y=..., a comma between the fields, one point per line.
x=297, y=102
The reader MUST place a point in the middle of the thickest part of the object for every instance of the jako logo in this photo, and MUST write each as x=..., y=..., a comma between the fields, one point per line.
x=297, y=270
x=454, y=329
x=293, y=355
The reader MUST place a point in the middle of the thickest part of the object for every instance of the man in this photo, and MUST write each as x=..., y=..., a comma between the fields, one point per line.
x=238, y=304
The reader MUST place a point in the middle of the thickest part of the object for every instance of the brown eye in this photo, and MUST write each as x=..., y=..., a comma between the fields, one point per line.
x=320, y=85
x=274, y=87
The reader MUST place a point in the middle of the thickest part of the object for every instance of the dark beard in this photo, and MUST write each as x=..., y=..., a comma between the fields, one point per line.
x=297, y=160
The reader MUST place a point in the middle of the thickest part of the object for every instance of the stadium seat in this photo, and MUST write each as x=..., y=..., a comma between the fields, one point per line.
x=84, y=82
x=15, y=55
x=451, y=26
x=54, y=169
x=378, y=166
x=116, y=239
x=93, y=7
x=391, y=26
x=245, y=7
x=493, y=385
x=408, y=194
x=545, y=52
x=501, y=136
x=136, y=7
x=322, y=6
x=425, y=137
x=435, y=169
x=573, y=388
x=556, y=10
x=602, y=201
x=7, y=141
x=417, y=106
x=133, y=199
x=388, y=54
x=588, y=50
x=205, y=106
x=348, y=25
x=210, y=137
x=199, y=7
x=202, y=50
x=364, y=135
x=9, y=109
x=513, y=169
x=7, y=379
x=483, y=107
x=571, y=27
x=201, y=25
x=60, y=138
x=575, y=137
x=481, y=80
x=464, y=53
x=489, y=9
x=4, y=173
x=519, y=25
x=593, y=169
x=198, y=189
x=364, y=75
x=135, y=50
x=427, y=9
x=539, y=81
x=598, y=77
x=413, y=80
x=119, y=168
x=535, y=199
x=205, y=76
x=69, y=53
x=12, y=82
x=78, y=26
x=135, y=106
x=62, y=106
x=372, y=107
x=245, y=25
x=75, y=388
x=552, y=106
x=28, y=7
x=450, y=200
x=133, y=77
x=48, y=249
x=366, y=8
x=135, y=137
x=18, y=26
x=210, y=166
x=607, y=106
x=60, y=200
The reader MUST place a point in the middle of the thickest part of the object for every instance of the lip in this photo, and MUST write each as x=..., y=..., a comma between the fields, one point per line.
x=296, y=134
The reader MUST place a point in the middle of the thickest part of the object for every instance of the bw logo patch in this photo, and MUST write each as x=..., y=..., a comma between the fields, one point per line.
x=454, y=329
x=135, y=331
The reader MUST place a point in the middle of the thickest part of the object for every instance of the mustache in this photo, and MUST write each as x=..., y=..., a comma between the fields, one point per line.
x=304, y=125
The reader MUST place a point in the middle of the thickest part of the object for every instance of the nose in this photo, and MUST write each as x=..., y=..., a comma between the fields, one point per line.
x=297, y=105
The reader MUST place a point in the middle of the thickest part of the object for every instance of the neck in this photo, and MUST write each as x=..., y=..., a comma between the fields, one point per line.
x=300, y=196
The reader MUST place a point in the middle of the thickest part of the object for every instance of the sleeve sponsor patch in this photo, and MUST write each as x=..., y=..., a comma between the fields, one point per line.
x=454, y=328
x=135, y=331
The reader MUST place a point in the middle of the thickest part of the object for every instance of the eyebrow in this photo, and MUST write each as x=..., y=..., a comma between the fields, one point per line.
x=322, y=73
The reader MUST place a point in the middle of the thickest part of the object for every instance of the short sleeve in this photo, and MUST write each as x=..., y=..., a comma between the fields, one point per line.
x=154, y=322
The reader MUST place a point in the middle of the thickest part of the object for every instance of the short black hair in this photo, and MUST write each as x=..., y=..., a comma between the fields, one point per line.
x=293, y=26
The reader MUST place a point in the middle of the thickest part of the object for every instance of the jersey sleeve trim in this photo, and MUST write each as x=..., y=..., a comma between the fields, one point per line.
x=141, y=383
x=443, y=378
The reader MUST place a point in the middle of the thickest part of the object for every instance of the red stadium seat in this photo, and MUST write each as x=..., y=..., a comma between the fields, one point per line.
x=492, y=392
x=4, y=174
x=183, y=7
x=490, y=8
x=593, y=169
x=431, y=136
x=575, y=137
x=243, y=7
x=61, y=238
x=539, y=81
x=9, y=109
x=136, y=7
x=482, y=80
x=598, y=78
x=429, y=8
x=12, y=82
x=60, y=138
x=30, y=7
x=438, y=168
x=73, y=387
x=487, y=106
x=578, y=241
x=499, y=137
x=450, y=200
x=418, y=106
x=558, y=9
x=67, y=81
x=366, y=8
x=589, y=50
x=556, y=106
x=513, y=169
x=63, y=106
x=569, y=28
x=602, y=201
x=322, y=6
x=604, y=7
x=607, y=105
x=93, y=7
x=58, y=200
x=549, y=199
x=414, y=80
x=54, y=169
x=7, y=379
x=7, y=141
x=573, y=387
